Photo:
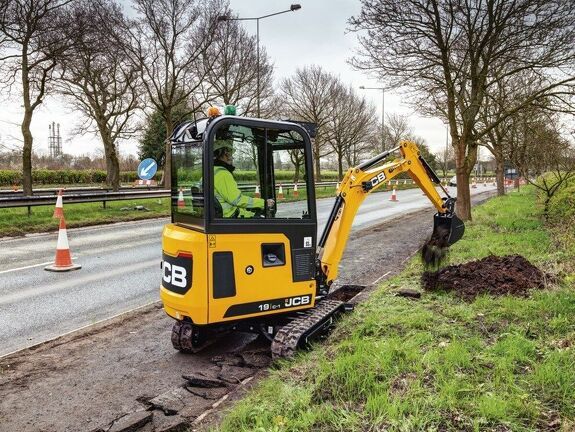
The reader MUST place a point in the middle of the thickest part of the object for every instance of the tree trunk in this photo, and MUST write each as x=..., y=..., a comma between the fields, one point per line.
x=499, y=171
x=27, y=153
x=26, y=133
x=316, y=159
x=112, y=163
x=340, y=166
x=463, y=205
x=167, y=176
x=296, y=173
x=463, y=167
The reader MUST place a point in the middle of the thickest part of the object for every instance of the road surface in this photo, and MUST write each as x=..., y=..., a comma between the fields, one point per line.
x=120, y=270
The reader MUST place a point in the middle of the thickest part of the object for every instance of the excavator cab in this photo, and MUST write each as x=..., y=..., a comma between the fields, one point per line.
x=223, y=262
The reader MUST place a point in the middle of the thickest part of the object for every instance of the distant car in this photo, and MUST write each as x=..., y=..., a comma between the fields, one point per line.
x=453, y=181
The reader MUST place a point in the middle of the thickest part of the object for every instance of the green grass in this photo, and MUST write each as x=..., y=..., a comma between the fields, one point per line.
x=440, y=364
x=16, y=221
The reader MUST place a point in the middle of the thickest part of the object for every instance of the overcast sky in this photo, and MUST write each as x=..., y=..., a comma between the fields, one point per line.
x=315, y=34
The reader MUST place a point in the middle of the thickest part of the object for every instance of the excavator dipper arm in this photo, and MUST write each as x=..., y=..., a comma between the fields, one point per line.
x=360, y=181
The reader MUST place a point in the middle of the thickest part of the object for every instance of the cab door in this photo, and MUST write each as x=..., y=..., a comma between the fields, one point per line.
x=265, y=263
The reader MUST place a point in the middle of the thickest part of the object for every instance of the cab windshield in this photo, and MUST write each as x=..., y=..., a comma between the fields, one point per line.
x=259, y=173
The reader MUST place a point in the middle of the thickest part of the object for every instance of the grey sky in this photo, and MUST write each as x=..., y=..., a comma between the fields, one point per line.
x=316, y=34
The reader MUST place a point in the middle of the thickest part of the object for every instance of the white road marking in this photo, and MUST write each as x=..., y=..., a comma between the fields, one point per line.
x=30, y=266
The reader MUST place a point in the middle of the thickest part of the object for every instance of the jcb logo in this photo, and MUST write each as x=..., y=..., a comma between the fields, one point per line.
x=377, y=179
x=297, y=301
x=177, y=273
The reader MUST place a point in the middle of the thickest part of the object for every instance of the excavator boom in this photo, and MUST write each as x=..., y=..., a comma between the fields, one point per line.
x=360, y=181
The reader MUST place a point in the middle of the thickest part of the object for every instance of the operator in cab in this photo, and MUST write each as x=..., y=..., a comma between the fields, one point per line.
x=233, y=203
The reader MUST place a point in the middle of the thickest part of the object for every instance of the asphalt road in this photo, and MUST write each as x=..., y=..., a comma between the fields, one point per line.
x=120, y=271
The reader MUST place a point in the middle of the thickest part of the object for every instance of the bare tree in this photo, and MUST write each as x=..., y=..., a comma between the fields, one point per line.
x=166, y=41
x=307, y=96
x=445, y=158
x=448, y=53
x=351, y=123
x=98, y=79
x=230, y=68
x=396, y=128
x=31, y=46
x=540, y=153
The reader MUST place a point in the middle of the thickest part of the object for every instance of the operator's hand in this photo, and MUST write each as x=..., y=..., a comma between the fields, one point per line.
x=270, y=202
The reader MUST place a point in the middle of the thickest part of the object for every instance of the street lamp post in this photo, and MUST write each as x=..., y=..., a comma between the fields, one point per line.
x=382, y=112
x=293, y=8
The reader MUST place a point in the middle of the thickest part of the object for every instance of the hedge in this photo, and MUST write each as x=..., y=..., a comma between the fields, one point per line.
x=55, y=177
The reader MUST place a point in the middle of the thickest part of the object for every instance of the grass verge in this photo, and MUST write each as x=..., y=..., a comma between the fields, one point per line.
x=498, y=364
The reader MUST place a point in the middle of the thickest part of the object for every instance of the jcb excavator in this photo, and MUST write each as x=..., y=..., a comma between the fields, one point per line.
x=267, y=273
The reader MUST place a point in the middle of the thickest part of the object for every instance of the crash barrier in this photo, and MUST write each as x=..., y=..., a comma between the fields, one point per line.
x=84, y=197
x=48, y=191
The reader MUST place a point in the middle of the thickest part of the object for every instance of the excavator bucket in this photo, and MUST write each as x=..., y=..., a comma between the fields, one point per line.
x=447, y=229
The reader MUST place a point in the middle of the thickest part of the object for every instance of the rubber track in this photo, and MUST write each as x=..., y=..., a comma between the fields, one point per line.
x=288, y=337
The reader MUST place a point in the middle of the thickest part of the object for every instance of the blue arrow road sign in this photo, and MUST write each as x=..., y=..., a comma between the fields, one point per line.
x=147, y=169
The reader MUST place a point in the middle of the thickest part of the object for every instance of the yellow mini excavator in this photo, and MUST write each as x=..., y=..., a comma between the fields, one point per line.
x=264, y=269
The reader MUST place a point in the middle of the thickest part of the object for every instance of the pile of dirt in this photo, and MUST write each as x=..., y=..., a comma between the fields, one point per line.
x=491, y=275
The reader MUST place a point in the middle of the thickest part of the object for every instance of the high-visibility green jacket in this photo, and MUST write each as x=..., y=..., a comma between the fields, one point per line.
x=233, y=202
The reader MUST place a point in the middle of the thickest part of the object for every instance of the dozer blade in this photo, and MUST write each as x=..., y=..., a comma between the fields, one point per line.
x=447, y=228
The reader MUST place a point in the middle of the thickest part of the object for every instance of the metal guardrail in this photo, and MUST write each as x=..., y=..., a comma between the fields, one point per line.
x=88, y=189
x=103, y=197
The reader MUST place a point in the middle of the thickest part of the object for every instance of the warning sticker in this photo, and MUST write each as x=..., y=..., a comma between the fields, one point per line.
x=307, y=243
x=212, y=241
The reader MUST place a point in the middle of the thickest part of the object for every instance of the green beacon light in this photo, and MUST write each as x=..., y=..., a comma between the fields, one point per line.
x=230, y=110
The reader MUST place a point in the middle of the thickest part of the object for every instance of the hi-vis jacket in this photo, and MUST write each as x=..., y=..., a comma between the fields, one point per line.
x=233, y=203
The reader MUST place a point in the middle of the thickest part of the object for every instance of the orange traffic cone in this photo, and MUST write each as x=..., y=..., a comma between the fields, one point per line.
x=474, y=184
x=181, y=202
x=295, y=191
x=281, y=193
x=59, y=209
x=257, y=192
x=63, y=260
x=393, y=195
x=485, y=183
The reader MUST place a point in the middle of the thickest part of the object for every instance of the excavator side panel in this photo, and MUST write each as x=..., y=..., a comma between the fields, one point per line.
x=252, y=275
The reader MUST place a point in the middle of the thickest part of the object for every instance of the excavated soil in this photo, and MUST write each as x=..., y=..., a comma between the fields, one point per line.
x=511, y=275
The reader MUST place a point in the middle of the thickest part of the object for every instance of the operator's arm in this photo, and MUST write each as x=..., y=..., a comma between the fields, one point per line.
x=228, y=190
x=360, y=181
